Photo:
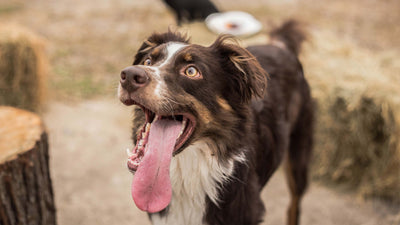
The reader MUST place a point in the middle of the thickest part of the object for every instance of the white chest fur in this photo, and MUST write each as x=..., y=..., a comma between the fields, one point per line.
x=195, y=174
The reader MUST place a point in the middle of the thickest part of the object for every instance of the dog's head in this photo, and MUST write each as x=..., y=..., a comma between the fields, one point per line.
x=186, y=92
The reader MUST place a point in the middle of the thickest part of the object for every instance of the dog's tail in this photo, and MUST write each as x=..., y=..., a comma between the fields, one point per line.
x=290, y=36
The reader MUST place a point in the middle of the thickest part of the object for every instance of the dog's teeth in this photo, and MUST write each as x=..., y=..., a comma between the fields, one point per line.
x=184, y=123
x=128, y=151
x=183, y=127
x=147, y=127
x=140, y=144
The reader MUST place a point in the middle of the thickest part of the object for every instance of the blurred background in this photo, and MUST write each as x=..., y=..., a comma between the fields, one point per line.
x=62, y=59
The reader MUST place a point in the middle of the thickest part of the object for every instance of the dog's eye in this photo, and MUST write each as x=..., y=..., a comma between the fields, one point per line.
x=147, y=62
x=191, y=71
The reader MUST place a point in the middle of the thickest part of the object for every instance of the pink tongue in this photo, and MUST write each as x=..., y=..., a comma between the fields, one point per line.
x=151, y=186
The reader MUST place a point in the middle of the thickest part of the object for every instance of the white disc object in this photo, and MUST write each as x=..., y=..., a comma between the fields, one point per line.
x=236, y=23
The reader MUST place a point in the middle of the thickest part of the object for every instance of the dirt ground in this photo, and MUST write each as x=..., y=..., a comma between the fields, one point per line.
x=92, y=185
x=89, y=42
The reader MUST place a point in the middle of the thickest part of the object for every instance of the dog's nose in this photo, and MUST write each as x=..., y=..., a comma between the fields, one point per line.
x=133, y=78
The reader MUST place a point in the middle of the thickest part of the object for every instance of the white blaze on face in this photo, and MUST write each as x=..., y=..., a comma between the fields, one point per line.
x=172, y=49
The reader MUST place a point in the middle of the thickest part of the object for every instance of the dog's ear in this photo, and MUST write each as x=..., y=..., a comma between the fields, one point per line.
x=157, y=39
x=249, y=79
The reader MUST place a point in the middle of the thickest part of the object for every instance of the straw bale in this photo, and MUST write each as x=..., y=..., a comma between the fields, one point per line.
x=357, y=143
x=23, y=68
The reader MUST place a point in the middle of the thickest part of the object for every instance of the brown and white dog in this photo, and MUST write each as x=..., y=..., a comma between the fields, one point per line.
x=209, y=133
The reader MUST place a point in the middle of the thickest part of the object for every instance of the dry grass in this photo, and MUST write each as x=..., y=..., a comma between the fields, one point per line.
x=22, y=67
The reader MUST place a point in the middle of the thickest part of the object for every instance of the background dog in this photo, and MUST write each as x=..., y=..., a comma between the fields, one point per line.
x=209, y=132
x=189, y=11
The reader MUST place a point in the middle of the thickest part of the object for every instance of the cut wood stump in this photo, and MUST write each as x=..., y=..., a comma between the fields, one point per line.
x=26, y=193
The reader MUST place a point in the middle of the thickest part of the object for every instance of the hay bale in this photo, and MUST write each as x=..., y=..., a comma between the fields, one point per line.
x=23, y=67
x=358, y=145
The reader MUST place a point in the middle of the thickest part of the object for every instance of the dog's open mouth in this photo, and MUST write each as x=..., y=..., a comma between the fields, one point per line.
x=187, y=124
x=159, y=139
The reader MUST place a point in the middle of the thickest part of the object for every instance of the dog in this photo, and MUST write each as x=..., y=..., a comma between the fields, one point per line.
x=212, y=124
x=189, y=11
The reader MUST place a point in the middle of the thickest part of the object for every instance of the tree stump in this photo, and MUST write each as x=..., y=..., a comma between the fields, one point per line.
x=26, y=194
